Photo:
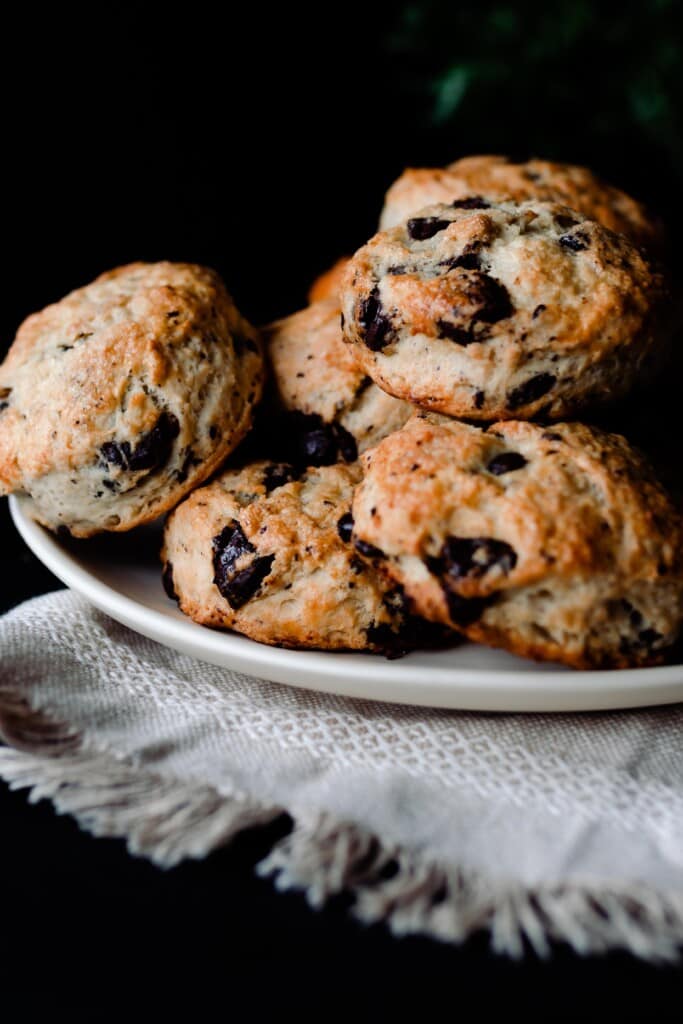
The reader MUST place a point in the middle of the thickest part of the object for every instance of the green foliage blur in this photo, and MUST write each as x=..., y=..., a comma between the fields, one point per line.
x=593, y=83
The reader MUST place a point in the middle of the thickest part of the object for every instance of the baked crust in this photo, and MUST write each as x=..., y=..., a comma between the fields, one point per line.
x=554, y=543
x=490, y=310
x=571, y=185
x=126, y=394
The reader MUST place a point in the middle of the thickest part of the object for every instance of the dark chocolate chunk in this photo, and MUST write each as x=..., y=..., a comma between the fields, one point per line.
x=152, y=450
x=376, y=326
x=368, y=550
x=345, y=526
x=471, y=203
x=530, y=390
x=576, y=242
x=242, y=587
x=460, y=335
x=472, y=557
x=422, y=228
x=277, y=475
x=506, y=462
x=565, y=220
x=467, y=261
x=537, y=312
x=167, y=581
x=237, y=587
x=494, y=298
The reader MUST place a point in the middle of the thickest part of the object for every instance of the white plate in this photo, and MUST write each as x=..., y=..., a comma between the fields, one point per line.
x=120, y=575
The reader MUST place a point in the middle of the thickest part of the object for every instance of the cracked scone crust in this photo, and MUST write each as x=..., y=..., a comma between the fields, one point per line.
x=499, y=176
x=555, y=543
x=267, y=552
x=316, y=376
x=501, y=310
x=125, y=395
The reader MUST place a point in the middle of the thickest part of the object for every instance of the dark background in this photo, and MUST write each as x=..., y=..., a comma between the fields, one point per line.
x=262, y=145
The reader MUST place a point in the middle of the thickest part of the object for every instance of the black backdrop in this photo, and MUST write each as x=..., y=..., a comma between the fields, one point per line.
x=261, y=146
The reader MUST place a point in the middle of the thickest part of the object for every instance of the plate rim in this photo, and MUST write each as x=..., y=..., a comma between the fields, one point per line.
x=464, y=688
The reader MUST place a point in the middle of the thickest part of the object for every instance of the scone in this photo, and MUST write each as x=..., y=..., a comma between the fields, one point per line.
x=316, y=377
x=326, y=286
x=556, y=543
x=125, y=395
x=498, y=176
x=500, y=310
x=266, y=552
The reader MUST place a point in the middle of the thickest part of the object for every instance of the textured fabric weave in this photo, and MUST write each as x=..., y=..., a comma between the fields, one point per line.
x=535, y=826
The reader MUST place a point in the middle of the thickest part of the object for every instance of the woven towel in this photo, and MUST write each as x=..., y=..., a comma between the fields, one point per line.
x=536, y=827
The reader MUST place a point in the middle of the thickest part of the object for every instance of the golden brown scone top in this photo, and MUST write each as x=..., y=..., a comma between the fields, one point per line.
x=562, y=529
x=498, y=176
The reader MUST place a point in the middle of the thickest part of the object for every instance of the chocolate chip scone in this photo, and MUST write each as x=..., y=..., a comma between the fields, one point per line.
x=498, y=176
x=266, y=552
x=501, y=310
x=338, y=410
x=553, y=543
x=125, y=395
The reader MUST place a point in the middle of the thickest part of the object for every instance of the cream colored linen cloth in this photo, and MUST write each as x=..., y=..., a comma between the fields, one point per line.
x=535, y=827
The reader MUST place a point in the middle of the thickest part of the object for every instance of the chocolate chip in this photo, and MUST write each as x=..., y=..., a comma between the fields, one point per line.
x=467, y=261
x=479, y=397
x=565, y=220
x=537, y=312
x=152, y=450
x=376, y=326
x=5, y=392
x=3, y=406
x=237, y=587
x=422, y=228
x=397, y=270
x=530, y=390
x=363, y=386
x=506, y=462
x=549, y=435
x=471, y=203
x=575, y=242
x=213, y=432
x=167, y=581
x=495, y=300
x=460, y=335
x=367, y=550
x=277, y=475
x=345, y=526
x=472, y=557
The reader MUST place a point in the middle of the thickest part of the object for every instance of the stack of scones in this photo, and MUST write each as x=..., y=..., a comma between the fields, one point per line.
x=422, y=466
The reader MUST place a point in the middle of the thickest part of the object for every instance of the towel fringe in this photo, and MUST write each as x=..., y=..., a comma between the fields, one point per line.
x=167, y=821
